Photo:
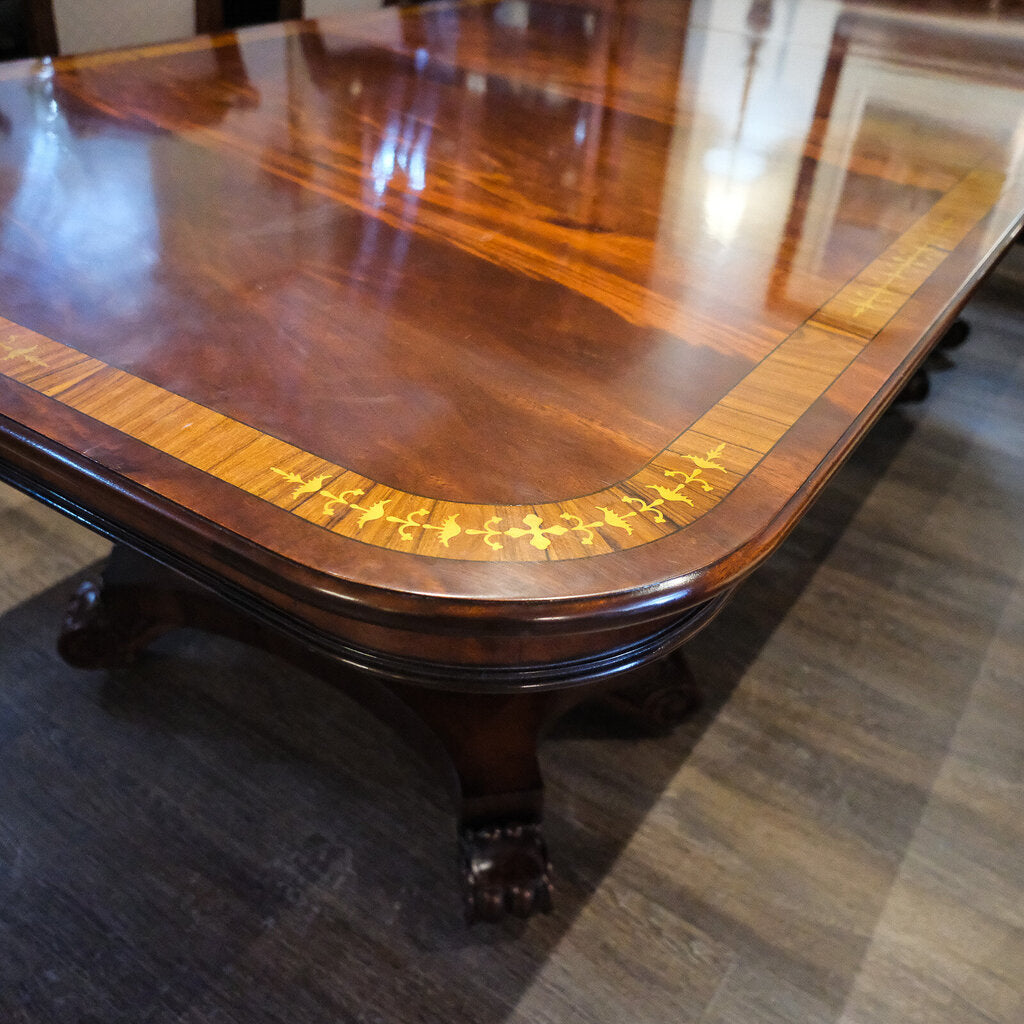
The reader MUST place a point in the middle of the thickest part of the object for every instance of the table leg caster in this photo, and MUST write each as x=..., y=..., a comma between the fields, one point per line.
x=505, y=870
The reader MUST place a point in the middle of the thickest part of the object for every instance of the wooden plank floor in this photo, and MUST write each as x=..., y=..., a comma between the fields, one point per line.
x=836, y=837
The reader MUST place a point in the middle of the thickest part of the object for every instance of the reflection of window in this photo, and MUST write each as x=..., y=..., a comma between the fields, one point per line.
x=895, y=136
x=87, y=201
x=731, y=173
x=751, y=77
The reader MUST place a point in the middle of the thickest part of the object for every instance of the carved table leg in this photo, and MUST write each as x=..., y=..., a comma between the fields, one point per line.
x=666, y=695
x=491, y=741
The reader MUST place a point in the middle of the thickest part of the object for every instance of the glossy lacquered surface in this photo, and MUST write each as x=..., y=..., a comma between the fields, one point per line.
x=514, y=311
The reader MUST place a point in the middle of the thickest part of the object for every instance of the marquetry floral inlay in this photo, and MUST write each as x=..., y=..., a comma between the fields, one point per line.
x=302, y=486
x=490, y=533
x=694, y=477
x=344, y=498
x=16, y=351
x=448, y=530
x=537, y=530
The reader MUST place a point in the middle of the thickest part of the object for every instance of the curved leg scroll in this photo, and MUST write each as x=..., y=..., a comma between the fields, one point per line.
x=665, y=697
x=107, y=625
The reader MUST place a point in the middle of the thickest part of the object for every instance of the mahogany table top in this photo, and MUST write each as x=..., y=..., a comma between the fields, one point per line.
x=521, y=310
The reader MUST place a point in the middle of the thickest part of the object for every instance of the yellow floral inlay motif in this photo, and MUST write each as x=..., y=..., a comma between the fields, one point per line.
x=695, y=477
x=490, y=533
x=534, y=528
x=643, y=506
x=303, y=486
x=25, y=352
x=612, y=518
x=371, y=514
x=531, y=528
x=450, y=529
x=409, y=523
x=334, y=500
x=587, y=529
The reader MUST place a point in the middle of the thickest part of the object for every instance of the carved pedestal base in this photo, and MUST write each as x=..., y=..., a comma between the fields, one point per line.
x=484, y=737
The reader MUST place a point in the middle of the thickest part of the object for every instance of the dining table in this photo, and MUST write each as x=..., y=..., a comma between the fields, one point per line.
x=470, y=354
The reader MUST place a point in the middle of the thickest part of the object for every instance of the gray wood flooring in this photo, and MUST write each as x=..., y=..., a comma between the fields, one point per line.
x=837, y=836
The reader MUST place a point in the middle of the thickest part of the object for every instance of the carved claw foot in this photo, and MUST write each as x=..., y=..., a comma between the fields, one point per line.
x=505, y=871
x=95, y=635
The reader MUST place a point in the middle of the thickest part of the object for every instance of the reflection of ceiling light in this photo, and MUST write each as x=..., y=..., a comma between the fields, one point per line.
x=513, y=14
x=724, y=205
x=731, y=173
x=733, y=163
